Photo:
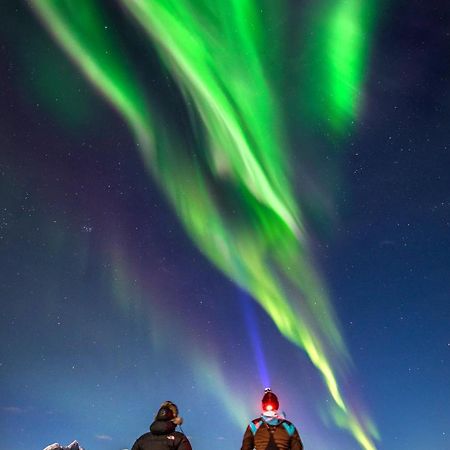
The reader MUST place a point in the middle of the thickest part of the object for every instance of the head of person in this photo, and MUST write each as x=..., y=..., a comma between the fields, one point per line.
x=168, y=411
x=269, y=402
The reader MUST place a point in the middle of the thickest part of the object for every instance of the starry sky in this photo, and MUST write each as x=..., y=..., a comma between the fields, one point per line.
x=110, y=307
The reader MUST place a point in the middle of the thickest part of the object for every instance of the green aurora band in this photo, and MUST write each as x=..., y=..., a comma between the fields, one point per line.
x=345, y=51
x=228, y=181
x=336, y=56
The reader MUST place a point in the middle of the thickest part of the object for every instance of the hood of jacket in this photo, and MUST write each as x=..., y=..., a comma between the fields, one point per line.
x=160, y=427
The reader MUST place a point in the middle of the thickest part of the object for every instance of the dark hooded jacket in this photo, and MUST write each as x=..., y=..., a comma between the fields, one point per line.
x=162, y=436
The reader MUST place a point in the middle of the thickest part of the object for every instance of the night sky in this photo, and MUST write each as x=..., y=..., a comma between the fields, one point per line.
x=109, y=308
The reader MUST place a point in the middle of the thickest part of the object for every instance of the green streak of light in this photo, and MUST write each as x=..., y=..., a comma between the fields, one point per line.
x=347, y=47
x=337, y=44
x=233, y=195
x=227, y=103
x=78, y=26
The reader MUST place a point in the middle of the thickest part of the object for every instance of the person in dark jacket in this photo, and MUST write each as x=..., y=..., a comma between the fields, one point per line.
x=162, y=434
x=271, y=431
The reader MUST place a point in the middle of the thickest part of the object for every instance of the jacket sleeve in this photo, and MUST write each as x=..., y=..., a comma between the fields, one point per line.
x=296, y=442
x=184, y=444
x=248, y=442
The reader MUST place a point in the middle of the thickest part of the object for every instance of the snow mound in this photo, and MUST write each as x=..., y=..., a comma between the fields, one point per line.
x=72, y=446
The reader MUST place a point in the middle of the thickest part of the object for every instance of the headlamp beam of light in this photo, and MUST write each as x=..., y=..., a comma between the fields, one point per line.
x=255, y=338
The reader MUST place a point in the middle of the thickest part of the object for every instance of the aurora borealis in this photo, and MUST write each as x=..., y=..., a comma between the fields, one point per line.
x=264, y=248
x=197, y=155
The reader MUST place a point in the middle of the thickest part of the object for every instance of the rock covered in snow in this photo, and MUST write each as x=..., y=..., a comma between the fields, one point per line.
x=73, y=446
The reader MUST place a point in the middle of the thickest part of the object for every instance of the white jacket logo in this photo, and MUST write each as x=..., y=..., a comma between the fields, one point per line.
x=171, y=437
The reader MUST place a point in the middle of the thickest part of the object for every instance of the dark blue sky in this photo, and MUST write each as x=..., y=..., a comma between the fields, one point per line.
x=108, y=309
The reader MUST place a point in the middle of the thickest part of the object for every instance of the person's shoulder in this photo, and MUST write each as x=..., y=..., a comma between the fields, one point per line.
x=143, y=441
x=254, y=425
x=144, y=437
x=179, y=434
x=288, y=422
x=255, y=421
x=288, y=426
